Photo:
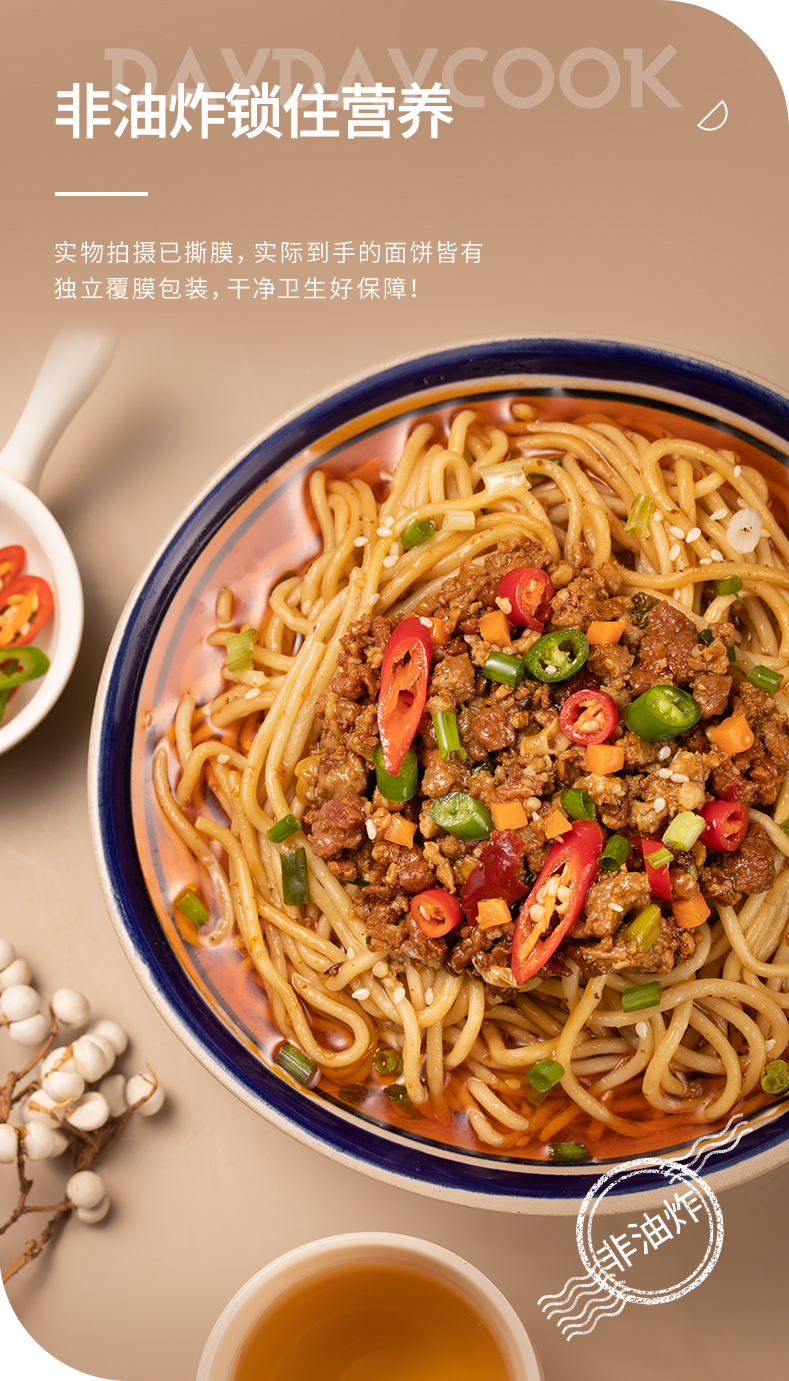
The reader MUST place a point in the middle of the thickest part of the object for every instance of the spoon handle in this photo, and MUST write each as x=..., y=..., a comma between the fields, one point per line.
x=72, y=367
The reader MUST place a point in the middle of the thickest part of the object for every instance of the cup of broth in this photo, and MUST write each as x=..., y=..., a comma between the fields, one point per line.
x=369, y=1305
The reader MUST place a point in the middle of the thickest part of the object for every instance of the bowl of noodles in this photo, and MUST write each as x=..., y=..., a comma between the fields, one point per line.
x=438, y=772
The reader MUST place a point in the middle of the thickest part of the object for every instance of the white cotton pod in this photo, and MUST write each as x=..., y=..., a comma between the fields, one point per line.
x=70, y=1008
x=140, y=1086
x=106, y=1045
x=91, y=1112
x=31, y=1031
x=38, y=1107
x=19, y=1001
x=18, y=971
x=7, y=954
x=60, y=1058
x=85, y=1189
x=111, y=1031
x=94, y=1215
x=61, y=1142
x=114, y=1090
x=9, y=1140
x=91, y=1059
x=64, y=1085
x=39, y=1141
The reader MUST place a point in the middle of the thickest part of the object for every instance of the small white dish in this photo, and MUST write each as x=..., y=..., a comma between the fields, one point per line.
x=368, y=1248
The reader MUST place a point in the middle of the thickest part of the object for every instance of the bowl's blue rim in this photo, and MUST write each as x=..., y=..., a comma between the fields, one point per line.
x=113, y=730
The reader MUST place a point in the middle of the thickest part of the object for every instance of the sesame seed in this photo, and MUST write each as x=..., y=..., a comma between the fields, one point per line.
x=428, y=623
x=513, y=1083
x=361, y=993
x=398, y=994
x=718, y=514
x=429, y=996
x=659, y=804
x=665, y=752
x=372, y=832
x=664, y=772
x=676, y=532
x=360, y=541
x=351, y=952
x=374, y=599
x=251, y=694
x=716, y=555
x=384, y=531
x=705, y=561
x=223, y=758
x=679, y=777
x=385, y=476
x=658, y=517
x=391, y=560
x=738, y=470
x=616, y=907
x=642, y=1029
x=380, y=969
x=674, y=552
x=694, y=534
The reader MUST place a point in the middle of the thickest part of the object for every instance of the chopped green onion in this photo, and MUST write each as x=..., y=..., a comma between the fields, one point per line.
x=615, y=853
x=732, y=654
x=765, y=678
x=195, y=910
x=645, y=929
x=642, y=603
x=545, y=1075
x=353, y=1093
x=785, y=827
x=420, y=531
x=283, y=829
x=693, y=871
x=641, y=996
x=569, y=1152
x=639, y=516
x=504, y=477
x=684, y=830
x=397, y=1093
x=387, y=1061
x=659, y=858
x=459, y=520
x=239, y=650
x=775, y=1077
x=730, y=586
x=445, y=723
x=298, y=1065
x=462, y=815
x=405, y=784
x=535, y=1098
x=503, y=667
x=577, y=803
x=705, y=637
x=295, y=877
x=358, y=882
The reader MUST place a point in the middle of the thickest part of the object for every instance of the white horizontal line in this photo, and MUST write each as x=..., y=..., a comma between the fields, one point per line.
x=101, y=194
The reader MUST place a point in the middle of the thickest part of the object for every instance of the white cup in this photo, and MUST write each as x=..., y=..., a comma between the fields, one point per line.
x=367, y=1248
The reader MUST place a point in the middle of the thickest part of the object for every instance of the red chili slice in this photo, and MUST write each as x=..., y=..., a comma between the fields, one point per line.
x=405, y=672
x=589, y=716
x=529, y=592
x=25, y=603
x=436, y=912
x=572, y=863
x=658, y=878
x=12, y=560
x=495, y=873
x=727, y=825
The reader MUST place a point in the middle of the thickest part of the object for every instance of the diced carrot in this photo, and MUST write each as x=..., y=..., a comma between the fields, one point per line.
x=604, y=758
x=439, y=633
x=598, y=634
x=509, y=815
x=691, y=911
x=494, y=628
x=400, y=831
x=732, y=735
x=492, y=911
x=555, y=824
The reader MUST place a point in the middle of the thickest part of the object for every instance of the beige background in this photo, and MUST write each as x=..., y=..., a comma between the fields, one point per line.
x=614, y=221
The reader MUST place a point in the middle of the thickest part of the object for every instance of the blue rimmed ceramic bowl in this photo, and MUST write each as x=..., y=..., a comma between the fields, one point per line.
x=243, y=530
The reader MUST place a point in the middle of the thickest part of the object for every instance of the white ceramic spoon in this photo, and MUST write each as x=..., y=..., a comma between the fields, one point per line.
x=72, y=367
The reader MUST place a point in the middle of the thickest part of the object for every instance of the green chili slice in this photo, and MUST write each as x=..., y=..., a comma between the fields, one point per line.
x=765, y=678
x=418, y=532
x=730, y=586
x=545, y=1075
x=5, y=696
x=295, y=877
x=615, y=854
x=283, y=829
x=775, y=1077
x=569, y=1152
x=705, y=637
x=30, y=662
x=405, y=784
x=503, y=667
x=645, y=929
x=577, y=803
x=445, y=723
x=639, y=516
x=662, y=712
x=557, y=656
x=298, y=1065
x=641, y=996
x=462, y=815
x=193, y=908
x=732, y=654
